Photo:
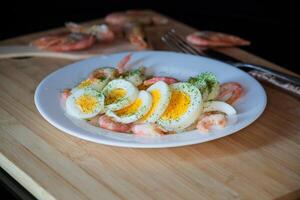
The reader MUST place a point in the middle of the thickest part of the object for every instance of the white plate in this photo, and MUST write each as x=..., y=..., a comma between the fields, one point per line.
x=181, y=66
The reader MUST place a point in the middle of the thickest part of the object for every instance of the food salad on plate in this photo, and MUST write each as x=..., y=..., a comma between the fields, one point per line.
x=128, y=101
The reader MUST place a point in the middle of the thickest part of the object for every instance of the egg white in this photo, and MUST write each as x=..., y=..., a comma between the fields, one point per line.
x=127, y=99
x=162, y=103
x=219, y=106
x=192, y=113
x=96, y=84
x=146, y=102
x=74, y=110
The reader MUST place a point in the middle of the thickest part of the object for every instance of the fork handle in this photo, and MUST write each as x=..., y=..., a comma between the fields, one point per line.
x=287, y=86
x=280, y=75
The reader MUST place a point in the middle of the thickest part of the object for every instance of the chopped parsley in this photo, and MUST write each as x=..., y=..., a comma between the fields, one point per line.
x=204, y=81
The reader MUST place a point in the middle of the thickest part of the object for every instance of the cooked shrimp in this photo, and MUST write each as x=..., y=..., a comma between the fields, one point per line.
x=121, y=64
x=102, y=32
x=230, y=92
x=65, y=42
x=64, y=94
x=207, y=121
x=209, y=38
x=136, y=36
x=47, y=41
x=94, y=121
x=104, y=72
x=107, y=123
x=168, y=80
x=146, y=130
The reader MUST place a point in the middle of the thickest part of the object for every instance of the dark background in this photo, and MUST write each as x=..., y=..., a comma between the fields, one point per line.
x=271, y=26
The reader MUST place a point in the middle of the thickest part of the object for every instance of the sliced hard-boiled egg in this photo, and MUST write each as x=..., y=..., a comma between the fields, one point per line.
x=219, y=106
x=119, y=94
x=134, y=111
x=96, y=84
x=161, y=95
x=85, y=103
x=184, y=108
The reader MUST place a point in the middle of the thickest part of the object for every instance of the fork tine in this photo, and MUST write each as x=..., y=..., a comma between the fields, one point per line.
x=168, y=43
x=177, y=43
x=174, y=41
x=173, y=44
x=182, y=41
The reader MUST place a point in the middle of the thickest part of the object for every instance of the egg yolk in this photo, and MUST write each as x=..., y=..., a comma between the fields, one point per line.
x=86, y=103
x=114, y=95
x=84, y=84
x=131, y=109
x=155, y=100
x=178, y=105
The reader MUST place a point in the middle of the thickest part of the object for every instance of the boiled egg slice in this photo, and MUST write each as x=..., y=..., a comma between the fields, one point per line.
x=134, y=111
x=96, y=84
x=119, y=94
x=184, y=108
x=85, y=103
x=219, y=106
x=161, y=95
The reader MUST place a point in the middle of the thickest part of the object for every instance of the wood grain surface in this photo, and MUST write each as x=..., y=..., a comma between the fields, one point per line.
x=261, y=161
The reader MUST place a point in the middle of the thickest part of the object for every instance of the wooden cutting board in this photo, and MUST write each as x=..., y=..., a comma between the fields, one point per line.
x=261, y=161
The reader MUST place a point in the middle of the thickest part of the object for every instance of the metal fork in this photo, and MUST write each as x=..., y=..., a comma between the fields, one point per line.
x=284, y=81
x=176, y=42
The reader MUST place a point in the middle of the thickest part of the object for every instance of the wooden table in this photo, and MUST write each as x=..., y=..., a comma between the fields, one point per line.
x=261, y=161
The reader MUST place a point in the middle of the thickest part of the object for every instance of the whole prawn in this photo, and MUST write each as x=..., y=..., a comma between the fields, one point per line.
x=210, y=38
x=208, y=120
x=230, y=92
x=136, y=36
x=107, y=123
x=65, y=42
x=146, y=130
x=168, y=80
x=102, y=32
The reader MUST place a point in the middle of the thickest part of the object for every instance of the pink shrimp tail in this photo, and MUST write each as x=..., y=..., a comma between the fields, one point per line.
x=122, y=63
x=167, y=80
x=65, y=94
